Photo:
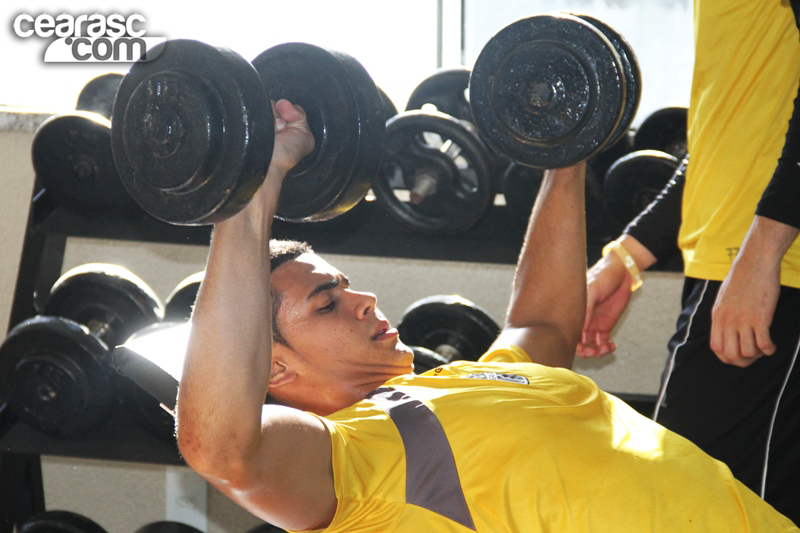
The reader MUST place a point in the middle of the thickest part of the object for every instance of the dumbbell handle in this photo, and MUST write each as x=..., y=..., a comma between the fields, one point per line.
x=99, y=328
x=449, y=352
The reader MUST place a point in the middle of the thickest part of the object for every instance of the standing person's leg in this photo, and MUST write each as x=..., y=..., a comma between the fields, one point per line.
x=727, y=410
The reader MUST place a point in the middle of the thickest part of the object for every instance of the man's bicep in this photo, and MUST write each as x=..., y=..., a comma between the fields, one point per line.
x=543, y=343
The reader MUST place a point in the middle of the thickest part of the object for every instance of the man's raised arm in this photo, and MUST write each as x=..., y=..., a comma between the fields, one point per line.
x=548, y=299
x=224, y=431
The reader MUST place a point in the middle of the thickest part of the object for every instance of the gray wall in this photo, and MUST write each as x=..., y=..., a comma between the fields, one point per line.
x=125, y=496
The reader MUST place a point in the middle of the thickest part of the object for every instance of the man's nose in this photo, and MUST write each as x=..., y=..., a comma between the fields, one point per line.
x=366, y=303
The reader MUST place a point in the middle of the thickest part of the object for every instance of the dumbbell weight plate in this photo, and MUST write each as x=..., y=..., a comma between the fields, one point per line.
x=635, y=180
x=53, y=375
x=98, y=94
x=664, y=130
x=547, y=91
x=450, y=325
x=178, y=306
x=73, y=160
x=192, y=132
x=60, y=522
x=630, y=69
x=346, y=116
x=445, y=89
x=436, y=176
x=98, y=294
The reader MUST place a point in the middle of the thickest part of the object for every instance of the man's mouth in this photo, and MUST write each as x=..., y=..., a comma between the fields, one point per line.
x=384, y=331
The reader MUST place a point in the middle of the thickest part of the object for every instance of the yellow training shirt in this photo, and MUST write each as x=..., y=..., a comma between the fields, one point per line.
x=743, y=92
x=519, y=447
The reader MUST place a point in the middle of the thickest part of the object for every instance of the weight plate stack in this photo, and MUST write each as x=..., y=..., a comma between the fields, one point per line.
x=436, y=177
x=54, y=376
x=55, y=369
x=192, y=132
x=630, y=69
x=549, y=91
x=346, y=116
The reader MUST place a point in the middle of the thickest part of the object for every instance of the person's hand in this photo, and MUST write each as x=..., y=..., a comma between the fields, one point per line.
x=743, y=313
x=608, y=291
x=293, y=141
x=293, y=137
x=747, y=298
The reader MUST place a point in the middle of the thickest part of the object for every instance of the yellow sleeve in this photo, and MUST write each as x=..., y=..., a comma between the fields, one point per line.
x=511, y=354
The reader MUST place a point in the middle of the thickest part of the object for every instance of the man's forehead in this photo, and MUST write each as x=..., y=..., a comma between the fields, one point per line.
x=304, y=270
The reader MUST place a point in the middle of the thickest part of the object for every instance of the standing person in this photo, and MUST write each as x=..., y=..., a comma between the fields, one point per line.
x=744, y=140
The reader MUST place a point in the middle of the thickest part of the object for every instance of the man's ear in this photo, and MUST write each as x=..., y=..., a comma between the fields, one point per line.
x=280, y=373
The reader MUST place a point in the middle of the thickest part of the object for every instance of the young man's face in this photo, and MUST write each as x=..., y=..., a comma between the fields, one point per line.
x=339, y=344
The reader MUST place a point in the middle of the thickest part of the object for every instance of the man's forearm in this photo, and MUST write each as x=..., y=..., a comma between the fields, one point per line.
x=227, y=367
x=766, y=242
x=549, y=285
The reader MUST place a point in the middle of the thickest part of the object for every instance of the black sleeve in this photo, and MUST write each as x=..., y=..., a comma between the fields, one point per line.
x=781, y=198
x=657, y=226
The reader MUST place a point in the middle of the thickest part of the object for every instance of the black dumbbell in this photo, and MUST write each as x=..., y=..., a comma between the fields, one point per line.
x=436, y=176
x=54, y=368
x=551, y=90
x=445, y=91
x=72, y=155
x=193, y=130
x=60, y=522
x=664, y=130
x=73, y=161
x=449, y=325
x=98, y=94
x=635, y=180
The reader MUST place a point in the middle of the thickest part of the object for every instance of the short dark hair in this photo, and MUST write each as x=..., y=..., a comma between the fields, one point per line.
x=281, y=251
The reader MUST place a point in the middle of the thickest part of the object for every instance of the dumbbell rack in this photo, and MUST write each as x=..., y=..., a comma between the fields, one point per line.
x=365, y=230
